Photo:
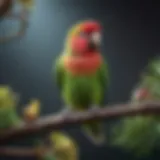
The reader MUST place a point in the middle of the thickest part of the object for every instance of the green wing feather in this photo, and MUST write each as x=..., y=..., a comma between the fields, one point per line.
x=104, y=75
x=59, y=72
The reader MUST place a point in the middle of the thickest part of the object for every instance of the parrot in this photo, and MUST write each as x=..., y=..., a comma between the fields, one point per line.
x=82, y=74
x=32, y=110
x=141, y=134
x=58, y=146
x=8, y=102
x=64, y=147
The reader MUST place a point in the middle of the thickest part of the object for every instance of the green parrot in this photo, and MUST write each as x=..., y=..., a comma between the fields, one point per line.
x=82, y=74
x=8, y=102
x=142, y=134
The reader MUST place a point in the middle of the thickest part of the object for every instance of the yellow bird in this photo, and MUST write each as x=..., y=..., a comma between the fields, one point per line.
x=28, y=4
x=32, y=110
x=64, y=147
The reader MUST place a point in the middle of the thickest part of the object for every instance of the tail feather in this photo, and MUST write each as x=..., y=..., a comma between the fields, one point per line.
x=94, y=131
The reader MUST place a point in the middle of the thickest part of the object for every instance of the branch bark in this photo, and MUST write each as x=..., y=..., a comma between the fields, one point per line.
x=57, y=121
x=20, y=152
x=23, y=152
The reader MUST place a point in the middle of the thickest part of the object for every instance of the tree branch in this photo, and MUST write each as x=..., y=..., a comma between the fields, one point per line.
x=58, y=121
x=19, y=152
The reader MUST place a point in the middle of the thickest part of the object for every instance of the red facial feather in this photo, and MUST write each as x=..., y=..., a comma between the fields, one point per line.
x=83, y=65
x=79, y=45
x=91, y=26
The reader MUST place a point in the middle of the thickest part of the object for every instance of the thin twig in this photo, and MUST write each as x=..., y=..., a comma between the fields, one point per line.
x=57, y=121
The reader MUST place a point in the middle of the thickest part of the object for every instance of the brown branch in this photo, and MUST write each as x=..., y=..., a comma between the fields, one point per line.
x=23, y=152
x=59, y=121
x=20, y=152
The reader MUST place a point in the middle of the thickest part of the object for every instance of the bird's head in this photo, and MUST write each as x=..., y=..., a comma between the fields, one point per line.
x=84, y=37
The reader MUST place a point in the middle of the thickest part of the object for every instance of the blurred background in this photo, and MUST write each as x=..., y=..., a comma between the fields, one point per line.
x=131, y=37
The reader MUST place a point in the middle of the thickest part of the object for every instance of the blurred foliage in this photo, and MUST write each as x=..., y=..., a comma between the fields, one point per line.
x=141, y=135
